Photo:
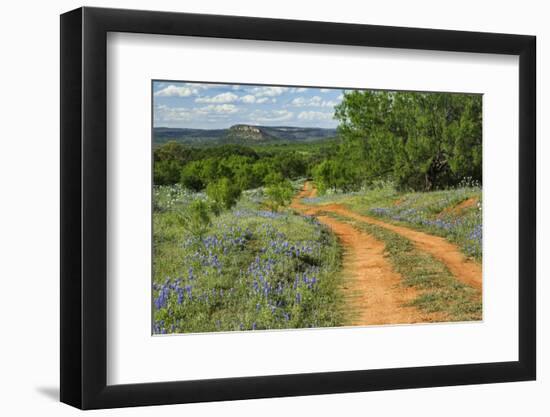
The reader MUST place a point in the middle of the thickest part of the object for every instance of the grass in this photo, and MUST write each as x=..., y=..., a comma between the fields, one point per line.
x=434, y=212
x=251, y=270
x=439, y=290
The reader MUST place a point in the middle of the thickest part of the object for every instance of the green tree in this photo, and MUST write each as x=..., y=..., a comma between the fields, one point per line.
x=421, y=140
x=166, y=172
x=279, y=192
x=192, y=177
x=273, y=178
x=173, y=151
x=223, y=194
x=169, y=159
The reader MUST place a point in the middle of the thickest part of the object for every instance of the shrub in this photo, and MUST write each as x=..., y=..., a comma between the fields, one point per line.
x=196, y=218
x=191, y=176
x=223, y=194
x=166, y=172
x=273, y=178
x=279, y=194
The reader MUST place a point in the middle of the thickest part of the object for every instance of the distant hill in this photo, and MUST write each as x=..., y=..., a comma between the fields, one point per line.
x=248, y=133
x=167, y=134
x=241, y=134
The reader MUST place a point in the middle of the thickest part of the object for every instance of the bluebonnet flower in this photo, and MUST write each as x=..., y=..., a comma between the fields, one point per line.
x=158, y=327
x=162, y=300
x=189, y=290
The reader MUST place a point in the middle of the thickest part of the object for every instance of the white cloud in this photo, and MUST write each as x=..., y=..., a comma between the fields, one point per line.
x=314, y=115
x=169, y=114
x=183, y=114
x=229, y=97
x=268, y=91
x=314, y=101
x=175, y=91
x=249, y=98
x=221, y=104
x=201, y=86
x=271, y=115
x=299, y=102
x=219, y=108
x=325, y=90
x=220, y=98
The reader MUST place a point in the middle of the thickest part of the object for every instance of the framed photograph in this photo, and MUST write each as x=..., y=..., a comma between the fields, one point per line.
x=256, y=208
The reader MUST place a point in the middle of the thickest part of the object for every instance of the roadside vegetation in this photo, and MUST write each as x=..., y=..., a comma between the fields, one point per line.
x=454, y=213
x=247, y=268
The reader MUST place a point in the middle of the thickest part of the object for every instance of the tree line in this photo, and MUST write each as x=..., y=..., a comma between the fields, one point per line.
x=223, y=172
x=195, y=168
x=420, y=141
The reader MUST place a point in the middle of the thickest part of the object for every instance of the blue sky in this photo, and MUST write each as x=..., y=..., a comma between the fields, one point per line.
x=214, y=106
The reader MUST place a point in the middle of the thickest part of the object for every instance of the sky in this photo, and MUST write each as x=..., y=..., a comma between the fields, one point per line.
x=219, y=106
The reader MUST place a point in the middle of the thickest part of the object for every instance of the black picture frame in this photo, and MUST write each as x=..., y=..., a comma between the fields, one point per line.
x=84, y=207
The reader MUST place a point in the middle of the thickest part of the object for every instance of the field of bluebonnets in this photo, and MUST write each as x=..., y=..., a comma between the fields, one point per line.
x=249, y=269
x=253, y=268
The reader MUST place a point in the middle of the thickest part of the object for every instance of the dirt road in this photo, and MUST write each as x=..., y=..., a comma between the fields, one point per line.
x=372, y=290
x=465, y=270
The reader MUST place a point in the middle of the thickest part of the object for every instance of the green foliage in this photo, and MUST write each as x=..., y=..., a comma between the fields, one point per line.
x=166, y=172
x=337, y=174
x=279, y=191
x=251, y=270
x=173, y=151
x=423, y=141
x=420, y=141
x=273, y=178
x=192, y=176
x=195, y=168
x=195, y=218
x=168, y=162
x=223, y=194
